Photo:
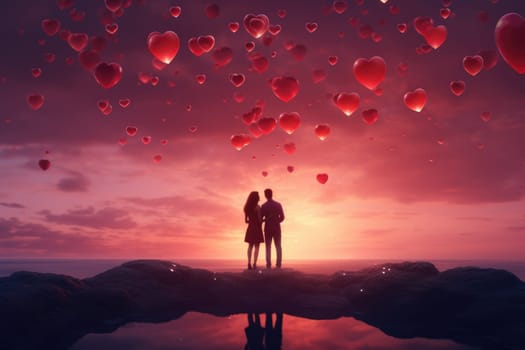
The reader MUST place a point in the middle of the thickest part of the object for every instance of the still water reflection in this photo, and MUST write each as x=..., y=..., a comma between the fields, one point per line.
x=256, y=331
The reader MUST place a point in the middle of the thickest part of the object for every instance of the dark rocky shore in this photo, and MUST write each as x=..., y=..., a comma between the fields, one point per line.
x=484, y=308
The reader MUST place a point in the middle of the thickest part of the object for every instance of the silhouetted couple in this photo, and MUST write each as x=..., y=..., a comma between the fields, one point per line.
x=271, y=213
x=271, y=334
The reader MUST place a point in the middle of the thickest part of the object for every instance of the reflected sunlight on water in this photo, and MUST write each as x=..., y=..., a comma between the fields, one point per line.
x=202, y=331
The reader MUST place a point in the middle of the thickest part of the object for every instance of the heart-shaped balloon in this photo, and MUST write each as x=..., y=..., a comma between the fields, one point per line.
x=256, y=25
x=415, y=100
x=490, y=58
x=206, y=42
x=473, y=64
x=44, y=164
x=347, y=102
x=237, y=79
x=124, y=102
x=435, y=36
x=311, y=26
x=175, y=11
x=322, y=131
x=108, y=75
x=266, y=125
x=318, y=75
x=222, y=56
x=422, y=23
x=289, y=148
x=457, y=87
x=113, y=5
x=164, y=47
x=254, y=130
x=131, y=130
x=36, y=72
x=240, y=141
x=445, y=12
x=234, y=26
x=111, y=28
x=289, y=122
x=486, y=116
x=260, y=63
x=35, y=101
x=322, y=178
x=146, y=140
x=285, y=88
x=370, y=72
x=340, y=6
x=370, y=116
x=89, y=59
x=402, y=27
x=78, y=41
x=510, y=39
x=50, y=26
x=290, y=168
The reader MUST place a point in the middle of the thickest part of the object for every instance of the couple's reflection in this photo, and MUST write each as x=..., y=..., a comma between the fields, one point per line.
x=269, y=338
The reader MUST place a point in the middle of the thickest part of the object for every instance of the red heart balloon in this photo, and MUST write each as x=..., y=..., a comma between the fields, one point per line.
x=108, y=75
x=266, y=125
x=510, y=39
x=89, y=59
x=256, y=25
x=347, y=102
x=157, y=158
x=422, y=23
x=370, y=116
x=206, y=42
x=370, y=73
x=415, y=100
x=290, y=168
x=50, y=26
x=44, y=164
x=222, y=56
x=486, y=116
x=264, y=173
x=254, y=130
x=113, y=5
x=318, y=75
x=473, y=64
x=35, y=101
x=111, y=28
x=332, y=60
x=237, y=79
x=298, y=52
x=78, y=41
x=322, y=131
x=311, y=26
x=212, y=11
x=340, y=6
x=402, y=28
x=234, y=26
x=36, y=72
x=146, y=140
x=457, y=87
x=102, y=104
x=274, y=30
x=194, y=47
x=289, y=148
x=445, y=12
x=200, y=78
x=124, y=102
x=240, y=141
x=289, y=122
x=175, y=11
x=259, y=62
x=285, y=88
x=435, y=36
x=490, y=59
x=131, y=130
x=322, y=178
x=164, y=46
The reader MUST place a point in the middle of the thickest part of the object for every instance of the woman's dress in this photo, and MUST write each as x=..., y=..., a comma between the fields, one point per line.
x=254, y=233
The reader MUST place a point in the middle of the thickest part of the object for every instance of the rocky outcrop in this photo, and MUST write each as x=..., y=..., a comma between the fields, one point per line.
x=479, y=307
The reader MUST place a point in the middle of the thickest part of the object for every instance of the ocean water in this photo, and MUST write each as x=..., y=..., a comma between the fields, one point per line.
x=195, y=331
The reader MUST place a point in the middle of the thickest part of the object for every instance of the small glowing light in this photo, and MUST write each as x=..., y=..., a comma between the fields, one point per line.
x=260, y=272
x=361, y=290
x=384, y=267
x=172, y=270
x=389, y=269
x=215, y=278
x=383, y=272
x=173, y=265
x=344, y=273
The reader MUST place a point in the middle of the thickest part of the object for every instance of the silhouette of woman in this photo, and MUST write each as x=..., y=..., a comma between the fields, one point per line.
x=254, y=234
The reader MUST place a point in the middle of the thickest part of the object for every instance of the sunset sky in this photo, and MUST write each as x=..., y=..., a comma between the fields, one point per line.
x=440, y=183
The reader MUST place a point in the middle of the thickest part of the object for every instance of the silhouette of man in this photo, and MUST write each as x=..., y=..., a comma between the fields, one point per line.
x=254, y=333
x=273, y=334
x=272, y=214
